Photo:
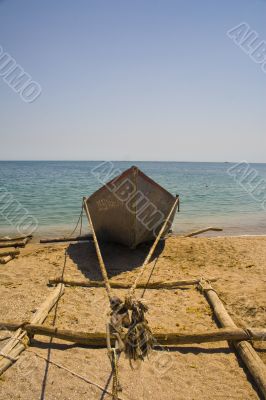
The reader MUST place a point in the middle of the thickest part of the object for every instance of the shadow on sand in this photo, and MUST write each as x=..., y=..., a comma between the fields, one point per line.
x=117, y=258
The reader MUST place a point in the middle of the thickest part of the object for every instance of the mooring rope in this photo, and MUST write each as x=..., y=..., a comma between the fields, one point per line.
x=139, y=339
x=99, y=254
x=79, y=221
x=115, y=387
x=152, y=249
x=147, y=259
x=74, y=373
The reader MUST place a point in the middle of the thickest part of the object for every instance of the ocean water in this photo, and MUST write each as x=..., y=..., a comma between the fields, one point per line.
x=49, y=195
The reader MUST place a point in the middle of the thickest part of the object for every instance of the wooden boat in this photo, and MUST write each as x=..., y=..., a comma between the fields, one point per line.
x=130, y=209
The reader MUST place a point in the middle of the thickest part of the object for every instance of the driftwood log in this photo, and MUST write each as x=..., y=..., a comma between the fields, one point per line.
x=10, y=352
x=9, y=252
x=210, y=228
x=15, y=243
x=6, y=259
x=122, y=285
x=162, y=339
x=67, y=239
x=253, y=362
x=6, y=239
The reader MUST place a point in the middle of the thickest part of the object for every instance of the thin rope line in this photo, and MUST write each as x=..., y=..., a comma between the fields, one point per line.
x=152, y=271
x=79, y=221
x=73, y=373
x=147, y=259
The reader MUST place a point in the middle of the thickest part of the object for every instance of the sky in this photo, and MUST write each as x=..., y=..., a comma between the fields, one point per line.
x=133, y=80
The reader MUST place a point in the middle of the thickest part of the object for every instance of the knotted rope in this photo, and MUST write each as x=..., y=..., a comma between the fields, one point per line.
x=139, y=340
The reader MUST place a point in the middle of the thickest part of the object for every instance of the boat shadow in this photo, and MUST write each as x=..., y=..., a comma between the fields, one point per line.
x=117, y=258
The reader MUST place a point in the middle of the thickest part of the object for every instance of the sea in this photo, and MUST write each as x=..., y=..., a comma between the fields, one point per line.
x=46, y=196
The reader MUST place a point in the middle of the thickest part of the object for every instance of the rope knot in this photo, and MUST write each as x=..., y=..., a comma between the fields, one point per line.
x=138, y=340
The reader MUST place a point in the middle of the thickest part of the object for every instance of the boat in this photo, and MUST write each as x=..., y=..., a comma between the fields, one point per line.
x=131, y=209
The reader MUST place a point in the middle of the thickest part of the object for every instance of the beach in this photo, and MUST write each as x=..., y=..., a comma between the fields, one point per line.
x=205, y=371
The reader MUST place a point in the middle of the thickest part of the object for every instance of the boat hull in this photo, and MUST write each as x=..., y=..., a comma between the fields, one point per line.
x=130, y=209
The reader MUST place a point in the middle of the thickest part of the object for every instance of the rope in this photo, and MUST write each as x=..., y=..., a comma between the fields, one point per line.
x=115, y=387
x=78, y=221
x=150, y=254
x=147, y=259
x=74, y=230
x=109, y=293
x=74, y=374
x=148, y=280
x=99, y=254
x=139, y=339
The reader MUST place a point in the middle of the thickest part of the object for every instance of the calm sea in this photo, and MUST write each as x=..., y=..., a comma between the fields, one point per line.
x=52, y=193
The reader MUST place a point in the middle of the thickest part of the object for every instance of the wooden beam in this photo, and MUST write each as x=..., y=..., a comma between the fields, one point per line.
x=6, y=259
x=15, y=345
x=210, y=228
x=162, y=339
x=122, y=285
x=15, y=243
x=67, y=239
x=253, y=362
x=9, y=252
x=15, y=238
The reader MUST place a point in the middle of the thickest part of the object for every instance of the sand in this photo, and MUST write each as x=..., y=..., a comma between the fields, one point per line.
x=210, y=371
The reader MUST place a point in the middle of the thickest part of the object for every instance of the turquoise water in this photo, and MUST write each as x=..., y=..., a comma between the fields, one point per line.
x=52, y=193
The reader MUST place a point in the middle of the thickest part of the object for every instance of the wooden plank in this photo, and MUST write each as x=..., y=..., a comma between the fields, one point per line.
x=164, y=339
x=253, y=362
x=15, y=345
x=210, y=228
x=122, y=285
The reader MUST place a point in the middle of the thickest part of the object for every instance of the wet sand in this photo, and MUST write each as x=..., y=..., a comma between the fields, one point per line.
x=209, y=371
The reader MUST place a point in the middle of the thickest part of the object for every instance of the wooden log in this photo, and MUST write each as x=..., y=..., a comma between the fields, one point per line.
x=162, y=339
x=15, y=243
x=9, y=252
x=6, y=259
x=122, y=285
x=210, y=228
x=67, y=239
x=15, y=345
x=5, y=239
x=253, y=362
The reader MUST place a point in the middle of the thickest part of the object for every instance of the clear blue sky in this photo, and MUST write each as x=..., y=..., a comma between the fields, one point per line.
x=133, y=80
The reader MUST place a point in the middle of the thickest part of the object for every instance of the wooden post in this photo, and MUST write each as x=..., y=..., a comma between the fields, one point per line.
x=210, y=228
x=122, y=285
x=15, y=346
x=253, y=362
x=162, y=338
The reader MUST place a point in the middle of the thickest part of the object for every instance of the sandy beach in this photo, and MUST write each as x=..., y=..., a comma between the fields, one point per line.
x=132, y=200
x=209, y=371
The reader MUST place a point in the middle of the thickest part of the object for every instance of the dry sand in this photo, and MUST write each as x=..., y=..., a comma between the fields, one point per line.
x=210, y=371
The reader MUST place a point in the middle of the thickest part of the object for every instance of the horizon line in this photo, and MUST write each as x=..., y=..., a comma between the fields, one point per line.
x=129, y=161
